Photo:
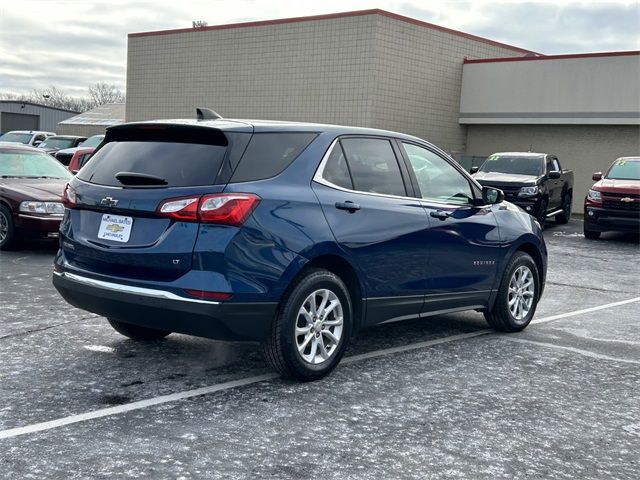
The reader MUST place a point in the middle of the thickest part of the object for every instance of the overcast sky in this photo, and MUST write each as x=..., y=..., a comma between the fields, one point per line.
x=75, y=43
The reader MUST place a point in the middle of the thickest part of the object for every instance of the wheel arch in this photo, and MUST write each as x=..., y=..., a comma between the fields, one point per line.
x=347, y=273
x=534, y=252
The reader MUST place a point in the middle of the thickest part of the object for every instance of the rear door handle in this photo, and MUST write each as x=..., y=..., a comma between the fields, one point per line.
x=349, y=206
x=442, y=215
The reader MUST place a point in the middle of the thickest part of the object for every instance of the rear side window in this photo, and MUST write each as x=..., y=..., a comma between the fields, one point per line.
x=373, y=165
x=268, y=154
x=336, y=170
x=179, y=164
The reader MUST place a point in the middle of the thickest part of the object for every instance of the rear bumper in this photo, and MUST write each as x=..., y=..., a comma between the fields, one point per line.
x=603, y=220
x=164, y=310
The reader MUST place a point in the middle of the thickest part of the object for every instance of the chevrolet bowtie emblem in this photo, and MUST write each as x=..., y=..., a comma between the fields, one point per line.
x=626, y=199
x=108, y=202
x=114, y=228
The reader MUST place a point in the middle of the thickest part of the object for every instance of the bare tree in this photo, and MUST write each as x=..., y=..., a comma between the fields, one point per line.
x=102, y=93
x=52, y=96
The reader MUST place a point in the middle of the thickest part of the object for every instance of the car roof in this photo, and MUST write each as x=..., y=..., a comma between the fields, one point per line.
x=33, y=132
x=520, y=154
x=68, y=136
x=250, y=125
x=20, y=147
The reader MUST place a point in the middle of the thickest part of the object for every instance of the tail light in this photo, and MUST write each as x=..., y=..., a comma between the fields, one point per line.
x=185, y=209
x=220, y=208
x=69, y=199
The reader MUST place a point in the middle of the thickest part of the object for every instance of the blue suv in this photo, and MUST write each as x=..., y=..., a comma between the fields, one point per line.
x=293, y=235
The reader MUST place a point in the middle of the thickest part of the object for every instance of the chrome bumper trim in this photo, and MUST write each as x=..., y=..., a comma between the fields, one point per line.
x=33, y=217
x=118, y=287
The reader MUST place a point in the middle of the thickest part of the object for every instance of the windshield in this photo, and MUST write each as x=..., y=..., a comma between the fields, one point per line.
x=529, y=165
x=16, y=137
x=623, y=169
x=93, y=141
x=59, y=143
x=30, y=165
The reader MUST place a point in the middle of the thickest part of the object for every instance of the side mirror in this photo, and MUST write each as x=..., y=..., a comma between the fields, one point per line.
x=554, y=175
x=597, y=176
x=37, y=142
x=474, y=169
x=492, y=195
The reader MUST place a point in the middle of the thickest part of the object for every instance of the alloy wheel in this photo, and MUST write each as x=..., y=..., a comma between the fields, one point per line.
x=4, y=227
x=319, y=326
x=521, y=293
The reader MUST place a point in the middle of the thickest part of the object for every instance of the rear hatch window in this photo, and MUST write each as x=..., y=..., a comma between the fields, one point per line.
x=176, y=157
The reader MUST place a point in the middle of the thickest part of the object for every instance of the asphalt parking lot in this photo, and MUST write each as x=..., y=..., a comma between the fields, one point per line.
x=443, y=397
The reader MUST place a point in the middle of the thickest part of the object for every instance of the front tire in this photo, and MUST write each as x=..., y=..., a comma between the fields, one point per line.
x=591, y=234
x=311, y=330
x=542, y=213
x=7, y=229
x=135, y=332
x=518, y=295
x=564, y=217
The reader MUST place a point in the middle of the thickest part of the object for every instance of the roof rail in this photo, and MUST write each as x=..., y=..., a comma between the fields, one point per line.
x=207, y=114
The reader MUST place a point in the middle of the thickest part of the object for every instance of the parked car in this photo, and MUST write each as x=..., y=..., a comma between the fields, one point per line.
x=26, y=137
x=290, y=234
x=31, y=185
x=64, y=156
x=52, y=144
x=79, y=158
x=534, y=181
x=613, y=203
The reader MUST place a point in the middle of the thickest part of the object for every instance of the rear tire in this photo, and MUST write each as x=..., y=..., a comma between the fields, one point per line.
x=7, y=230
x=135, y=332
x=591, y=234
x=312, y=327
x=564, y=217
x=518, y=296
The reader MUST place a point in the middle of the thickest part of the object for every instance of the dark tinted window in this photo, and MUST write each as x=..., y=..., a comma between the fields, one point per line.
x=336, y=170
x=83, y=159
x=373, y=165
x=268, y=154
x=180, y=164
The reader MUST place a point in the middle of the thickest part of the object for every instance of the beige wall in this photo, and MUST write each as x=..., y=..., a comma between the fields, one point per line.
x=600, y=90
x=368, y=70
x=418, y=74
x=80, y=130
x=581, y=148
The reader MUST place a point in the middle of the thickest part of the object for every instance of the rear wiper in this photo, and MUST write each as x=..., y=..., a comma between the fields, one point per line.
x=134, y=178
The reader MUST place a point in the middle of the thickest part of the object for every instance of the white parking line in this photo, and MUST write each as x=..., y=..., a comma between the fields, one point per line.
x=583, y=311
x=106, y=412
x=586, y=353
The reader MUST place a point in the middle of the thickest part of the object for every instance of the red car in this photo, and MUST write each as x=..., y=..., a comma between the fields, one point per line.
x=79, y=158
x=31, y=186
x=613, y=203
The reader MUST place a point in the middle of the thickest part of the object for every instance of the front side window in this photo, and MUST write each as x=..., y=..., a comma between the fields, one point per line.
x=373, y=166
x=438, y=179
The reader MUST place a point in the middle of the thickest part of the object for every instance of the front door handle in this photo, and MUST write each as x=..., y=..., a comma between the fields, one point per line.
x=441, y=214
x=349, y=206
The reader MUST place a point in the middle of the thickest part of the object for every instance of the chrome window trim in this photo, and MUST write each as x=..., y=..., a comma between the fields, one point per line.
x=318, y=178
x=121, y=288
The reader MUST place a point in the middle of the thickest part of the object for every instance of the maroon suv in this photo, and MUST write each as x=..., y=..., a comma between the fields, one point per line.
x=613, y=203
x=31, y=186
